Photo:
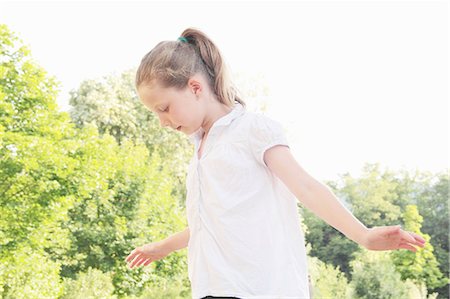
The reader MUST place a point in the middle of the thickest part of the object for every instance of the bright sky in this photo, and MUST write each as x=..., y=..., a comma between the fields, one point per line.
x=351, y=81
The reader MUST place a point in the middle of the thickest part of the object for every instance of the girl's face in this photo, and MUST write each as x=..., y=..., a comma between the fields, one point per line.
x=179, y=109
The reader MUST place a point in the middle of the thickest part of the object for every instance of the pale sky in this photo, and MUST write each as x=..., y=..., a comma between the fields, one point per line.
x=351, y=81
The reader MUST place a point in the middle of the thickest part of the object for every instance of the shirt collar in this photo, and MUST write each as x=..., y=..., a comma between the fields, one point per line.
x=225, y=120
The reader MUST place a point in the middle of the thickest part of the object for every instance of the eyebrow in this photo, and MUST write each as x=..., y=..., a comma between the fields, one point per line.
x=154, y=108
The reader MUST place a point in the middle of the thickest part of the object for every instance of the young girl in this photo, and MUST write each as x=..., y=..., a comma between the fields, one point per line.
x=244, y=238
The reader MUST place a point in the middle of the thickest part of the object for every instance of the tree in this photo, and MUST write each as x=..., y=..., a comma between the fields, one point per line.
x=327, y=281
x=27, y=93
x=72, y=199
x=430, y=192
x=420, y=266
x=372, y=197
x=34, y=172
x=328, y=244
x=111, y=103
x=374, y=277
x=90, y=284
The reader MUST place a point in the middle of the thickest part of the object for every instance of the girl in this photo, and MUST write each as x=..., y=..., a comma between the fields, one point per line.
x=243, y=236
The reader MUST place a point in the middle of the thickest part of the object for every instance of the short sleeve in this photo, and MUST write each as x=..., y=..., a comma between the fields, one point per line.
x=264, y=134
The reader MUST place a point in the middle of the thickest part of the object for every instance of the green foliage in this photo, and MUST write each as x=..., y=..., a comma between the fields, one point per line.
x=378, y=197
x=327, y=243
x=422, y=265
x=34, y=193
x=433, y=205
x=419, y=291
x=374, y=277
x=111, y=103
x=372, y=197
x=75, y=199
x=175, y=288
x=27, y=273
x=27, y=93
x=34, y=175
x=123, y=201
x=90, y=285
x=327, y=281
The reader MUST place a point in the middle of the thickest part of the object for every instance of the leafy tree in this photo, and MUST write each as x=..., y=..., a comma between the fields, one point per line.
x=328, y=244
x=419, y=291
x=28, y=273
x=374, y=277
x=422, y=265
x=34, y=172
x=72, y=199
x=123, y=200
x=91, y=284
x=430, y=192
x=372, y=197
x=327, y=281
x=111, y=103
x=432, y=203
x=27, y=93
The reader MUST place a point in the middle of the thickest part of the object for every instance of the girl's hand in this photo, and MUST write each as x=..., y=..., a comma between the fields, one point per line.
x=146, y=254
x=391, y=238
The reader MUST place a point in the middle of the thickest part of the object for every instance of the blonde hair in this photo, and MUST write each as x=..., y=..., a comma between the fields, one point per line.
x=173, y=63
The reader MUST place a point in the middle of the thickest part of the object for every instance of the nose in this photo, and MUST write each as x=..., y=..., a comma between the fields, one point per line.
x=163, y=121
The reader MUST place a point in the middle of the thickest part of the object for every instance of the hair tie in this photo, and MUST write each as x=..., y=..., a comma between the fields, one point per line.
x=183, y=39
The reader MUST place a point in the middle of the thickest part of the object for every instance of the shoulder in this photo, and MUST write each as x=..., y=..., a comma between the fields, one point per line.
x=257, y=128
x=264, y=126
x=258, y=121
x=261, y=132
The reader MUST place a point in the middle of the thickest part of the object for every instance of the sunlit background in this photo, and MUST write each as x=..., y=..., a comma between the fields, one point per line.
x=351, y=81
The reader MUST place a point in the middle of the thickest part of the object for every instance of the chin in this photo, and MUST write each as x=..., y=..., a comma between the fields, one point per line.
x=189, y=130
x=184, y=130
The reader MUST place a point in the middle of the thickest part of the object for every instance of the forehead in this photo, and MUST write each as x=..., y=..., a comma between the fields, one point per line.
x=153, y=95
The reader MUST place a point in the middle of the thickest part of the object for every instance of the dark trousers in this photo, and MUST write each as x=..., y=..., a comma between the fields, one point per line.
x=211, y=297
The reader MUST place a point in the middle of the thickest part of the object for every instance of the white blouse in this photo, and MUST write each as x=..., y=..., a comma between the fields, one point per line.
x=245, y=235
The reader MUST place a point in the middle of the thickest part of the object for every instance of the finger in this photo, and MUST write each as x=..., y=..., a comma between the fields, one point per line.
x=138, y=262
x=407, y=246
x=418, y=242
x=418, y=238
x=134, y=261
x=147, y=262
x=407, y=237
x=131, y=255
x=141, y=262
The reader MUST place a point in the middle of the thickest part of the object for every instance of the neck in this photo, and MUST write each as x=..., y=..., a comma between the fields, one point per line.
x=214, y=111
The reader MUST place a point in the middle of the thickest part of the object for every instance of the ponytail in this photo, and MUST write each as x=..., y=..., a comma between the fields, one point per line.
x=172, y=63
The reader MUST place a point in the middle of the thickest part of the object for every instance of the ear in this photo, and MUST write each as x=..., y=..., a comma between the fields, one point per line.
x=195, y=86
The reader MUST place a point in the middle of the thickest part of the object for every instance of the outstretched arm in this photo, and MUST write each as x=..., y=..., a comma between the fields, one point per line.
x=318, y=198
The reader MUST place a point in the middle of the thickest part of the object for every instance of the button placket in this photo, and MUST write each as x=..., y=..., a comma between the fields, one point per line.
x=214, y=134
x=199, y=197
x=206, y=148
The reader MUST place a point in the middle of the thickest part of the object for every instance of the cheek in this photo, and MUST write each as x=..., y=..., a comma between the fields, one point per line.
x=188, y=114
